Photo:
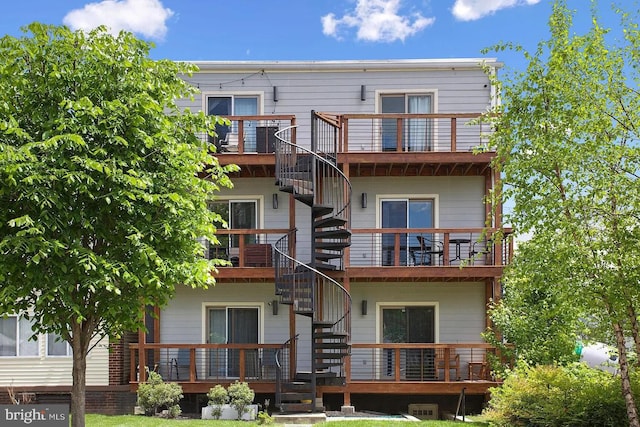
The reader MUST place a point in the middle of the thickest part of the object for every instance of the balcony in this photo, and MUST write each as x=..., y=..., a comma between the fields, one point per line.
x=373, y=368
x=248, y=252
x=373, y=144
x=475, y=253
x=377, y=253
x=249, y=142
x=412, y=144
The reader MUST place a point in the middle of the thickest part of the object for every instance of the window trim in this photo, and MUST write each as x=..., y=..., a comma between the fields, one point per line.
x=426, y=91
x=17, y=339
x=232, y=94
x=46, y=350
x=239, y=304
x=380, y=305
x=386, y=197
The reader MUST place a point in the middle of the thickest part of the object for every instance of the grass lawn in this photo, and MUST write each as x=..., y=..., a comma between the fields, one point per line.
x=93, y=420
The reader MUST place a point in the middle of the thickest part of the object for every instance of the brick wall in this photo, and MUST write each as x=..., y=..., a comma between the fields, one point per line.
x=116, y=400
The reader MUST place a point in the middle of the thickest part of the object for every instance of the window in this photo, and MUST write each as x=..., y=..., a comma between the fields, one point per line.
x=405, y=213
x=235, y=105
x=14, y=337
x=232, y=325
x=410, y=324
x=416, y=135
x=239, y=214
x=56, y=346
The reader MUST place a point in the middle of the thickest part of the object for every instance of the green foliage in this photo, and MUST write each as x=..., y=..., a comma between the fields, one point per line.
x=100, y=184
x=155, y=394
x=574, y=395
x=566, y=141
x=264, y=418
x=218, y=396
x=240, y=396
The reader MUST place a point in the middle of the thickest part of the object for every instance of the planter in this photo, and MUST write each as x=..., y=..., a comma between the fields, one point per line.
x=229, y=413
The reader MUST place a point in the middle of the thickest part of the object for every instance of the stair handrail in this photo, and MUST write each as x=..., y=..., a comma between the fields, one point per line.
x=277, y=247
x=286, y=344
x=293, y=147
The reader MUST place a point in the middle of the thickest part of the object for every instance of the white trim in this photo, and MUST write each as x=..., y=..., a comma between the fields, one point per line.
x=57, y=356
x=232, y=94
x=400, y=304
x=385, y=197
x=344, y=65
x=222, y=304
x=433, y=92
x=244, y=198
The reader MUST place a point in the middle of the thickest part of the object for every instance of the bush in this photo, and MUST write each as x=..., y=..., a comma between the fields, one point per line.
x=264, y=418
x=240, y=396
x=575, y=395
x=155, y=395
x=217, y=397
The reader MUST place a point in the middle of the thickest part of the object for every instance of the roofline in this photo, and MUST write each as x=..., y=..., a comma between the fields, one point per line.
x=347, y=65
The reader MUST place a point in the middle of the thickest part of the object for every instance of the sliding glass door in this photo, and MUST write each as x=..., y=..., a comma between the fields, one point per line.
x=404, y=213
x=417, y=133
x=232, y=325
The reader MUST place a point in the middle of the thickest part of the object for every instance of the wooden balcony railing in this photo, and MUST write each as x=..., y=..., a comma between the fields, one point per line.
x=449, y=132
x=425, y=247
x=420, y=362
x=209, y=362
x=245, y=247
x=388, y=362
x=251, y=134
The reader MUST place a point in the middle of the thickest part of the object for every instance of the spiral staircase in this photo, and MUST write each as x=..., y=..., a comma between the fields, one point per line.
x=313, y=178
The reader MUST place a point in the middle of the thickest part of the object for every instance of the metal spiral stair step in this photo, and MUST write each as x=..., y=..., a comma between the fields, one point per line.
x=332, y=221
x=330, y=356
x=321, y=210
x=332, y=245
x=340, y=233
x=326, y=256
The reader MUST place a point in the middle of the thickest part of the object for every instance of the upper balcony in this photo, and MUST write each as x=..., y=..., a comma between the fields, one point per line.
x=399, y=254
x=371, y=144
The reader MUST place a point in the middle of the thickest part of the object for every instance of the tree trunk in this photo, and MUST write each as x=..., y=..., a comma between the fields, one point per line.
x=78, y=388
x=635, y=330
x=80, y=339
x=632, y=411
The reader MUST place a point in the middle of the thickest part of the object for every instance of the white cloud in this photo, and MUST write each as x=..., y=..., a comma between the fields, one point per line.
x=145, y=17
x=376, y=20
x=470, y=10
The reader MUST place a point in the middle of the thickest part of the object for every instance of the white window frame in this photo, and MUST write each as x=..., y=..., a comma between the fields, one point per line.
x=206, y=306
x=386, y=197
x=379, y=93
x=258, y=199
x=233, y=94
x=17, y=340
x=67, y=346
x=380, y=305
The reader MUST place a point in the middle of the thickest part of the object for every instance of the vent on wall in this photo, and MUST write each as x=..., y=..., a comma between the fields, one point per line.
x=424, y=411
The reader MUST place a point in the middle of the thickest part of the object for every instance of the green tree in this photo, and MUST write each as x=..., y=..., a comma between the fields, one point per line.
x=100, y=186
x=567, y=143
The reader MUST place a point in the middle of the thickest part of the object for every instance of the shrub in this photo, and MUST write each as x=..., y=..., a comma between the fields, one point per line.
x=575, y=395
x=240, y=396
x=217, y=397
x=264, y=418
x=155, y=394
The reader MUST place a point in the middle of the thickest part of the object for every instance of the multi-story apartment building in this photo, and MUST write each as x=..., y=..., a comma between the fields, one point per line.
x=360, y=249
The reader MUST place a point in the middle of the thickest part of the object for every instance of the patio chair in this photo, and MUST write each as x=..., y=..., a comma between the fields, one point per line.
x=428, y=248
x=478, y=248
x=181, y=364
x=454, y=362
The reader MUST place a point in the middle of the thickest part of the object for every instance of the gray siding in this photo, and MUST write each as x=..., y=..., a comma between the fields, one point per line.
x=299, y=92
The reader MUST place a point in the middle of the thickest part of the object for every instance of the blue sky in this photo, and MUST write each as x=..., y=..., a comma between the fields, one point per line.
x=254, y=30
